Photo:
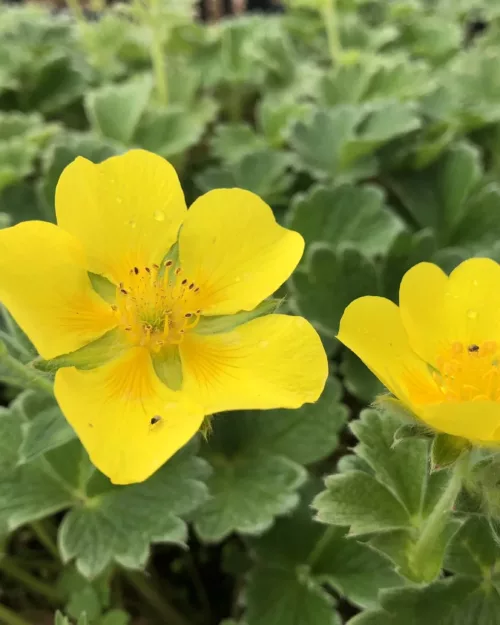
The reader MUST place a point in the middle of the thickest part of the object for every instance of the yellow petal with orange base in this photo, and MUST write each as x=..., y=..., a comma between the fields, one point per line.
x=232, y=247
x=126, y=210
x=274, y=361
x=128, y=421
x=438, y=310
x=45, y=286
x=372, y=328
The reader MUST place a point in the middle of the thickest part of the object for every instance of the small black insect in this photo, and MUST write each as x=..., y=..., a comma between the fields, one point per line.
x=473, y=348
x=155, y=419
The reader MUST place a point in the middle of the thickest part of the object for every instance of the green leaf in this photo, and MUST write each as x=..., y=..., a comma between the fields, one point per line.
x=278, y=595
x=48, y=430
x=319, y=142
x=474, y=551
x=403, y=469
x=453, y=601
x=326, y=214
x=450, y=198
x=232, y=142
x=446, y=450
x=265, y=172
x=329, y=281
x=104, y=287
x=169, y=132
x=115, y=110
x=360, y=501
x=325, y=555
x=247, y=492
x=119, y=523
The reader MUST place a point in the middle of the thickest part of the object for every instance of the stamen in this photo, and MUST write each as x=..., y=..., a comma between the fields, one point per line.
x=473, y=348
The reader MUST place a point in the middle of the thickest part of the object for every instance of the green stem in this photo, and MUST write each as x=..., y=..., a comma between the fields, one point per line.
x=157, y=53
x=8, y=617
x=76, y=9
x=28, y=377
x=319, y=547
x=329, y=14
x=32, y=583
x=422, y=560
x=45, y=538
x=164, y=609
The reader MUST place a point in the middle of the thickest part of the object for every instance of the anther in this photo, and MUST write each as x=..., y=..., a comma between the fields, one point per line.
x=177, y=271
x=198, y=312
x=187, y=315
x=155, y=266
x=473, y=348
x=147, y=269
x=114, y=308
x=169, y=263
x=124, y=291
x=128, y=329
x=136, y=270
x=191, y=286
x=155, y=419
x=184, y=282
x=197, y=289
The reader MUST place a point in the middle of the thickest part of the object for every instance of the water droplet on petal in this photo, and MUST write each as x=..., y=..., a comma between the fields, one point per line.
x=475, y=283
x=472, y=314
x=159, y=215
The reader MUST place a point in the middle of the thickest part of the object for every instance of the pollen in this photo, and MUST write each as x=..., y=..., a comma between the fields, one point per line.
x=157, y=306
x=468, y=372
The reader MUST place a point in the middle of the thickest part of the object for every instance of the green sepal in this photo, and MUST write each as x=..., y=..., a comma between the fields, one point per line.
x=226, y=323
x=168, y=367
x=446, y=450
x=108, y=347
x=411, y=430
x=103, y=287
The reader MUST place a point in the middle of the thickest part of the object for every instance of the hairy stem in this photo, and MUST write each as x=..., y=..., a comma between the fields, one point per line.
x=8, y=617
x=330, y=19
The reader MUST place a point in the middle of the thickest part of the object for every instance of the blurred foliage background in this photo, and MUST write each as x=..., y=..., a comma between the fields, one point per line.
x=373, y=128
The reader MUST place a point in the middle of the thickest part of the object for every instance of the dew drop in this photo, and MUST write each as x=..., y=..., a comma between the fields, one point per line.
x=472, y=314
x=475, y=283
x=159, y=215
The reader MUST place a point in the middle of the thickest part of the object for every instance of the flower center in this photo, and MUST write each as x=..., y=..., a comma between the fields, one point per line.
x=157, y=305
x=469, y=372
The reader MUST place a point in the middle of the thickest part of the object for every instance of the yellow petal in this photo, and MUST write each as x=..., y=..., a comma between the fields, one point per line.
x=476, y=420
x=126, y=211
x=473, y=301
x=438, y=311
x=270, y=362
x=128, y=421
x=422, y=308
x=233, y=249
x=45, y=286
x=372, y=328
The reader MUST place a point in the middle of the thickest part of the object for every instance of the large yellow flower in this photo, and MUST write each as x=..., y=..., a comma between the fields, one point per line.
x=144, y=301
x=439, y=352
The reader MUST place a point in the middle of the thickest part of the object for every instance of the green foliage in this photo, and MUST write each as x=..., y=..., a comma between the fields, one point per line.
x=372, y=130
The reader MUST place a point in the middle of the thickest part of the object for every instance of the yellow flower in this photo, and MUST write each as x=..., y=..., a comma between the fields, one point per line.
x=439, y=352
x=102, y=278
